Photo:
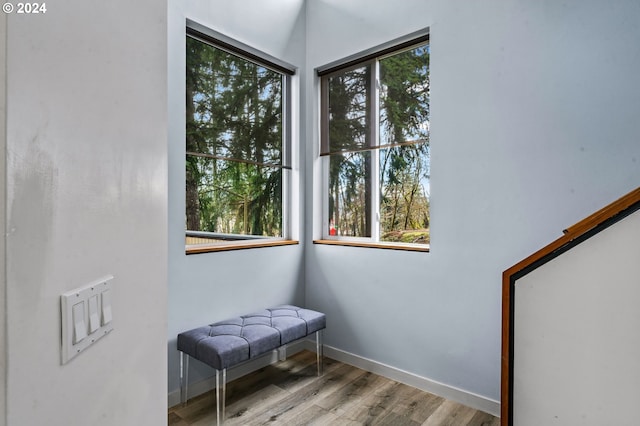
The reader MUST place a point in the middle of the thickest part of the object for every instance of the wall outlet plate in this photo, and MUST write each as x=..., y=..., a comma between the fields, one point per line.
x=79, y=327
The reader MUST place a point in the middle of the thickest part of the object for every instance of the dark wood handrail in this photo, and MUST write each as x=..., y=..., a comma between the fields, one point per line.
x=604, y=214
x=626, y=204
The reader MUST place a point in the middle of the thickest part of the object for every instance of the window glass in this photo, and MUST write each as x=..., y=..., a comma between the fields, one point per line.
x=404, y=200
x=350, y=194
x=376, y=148
x=349, y=96
x=235, y=173
x=404, y=97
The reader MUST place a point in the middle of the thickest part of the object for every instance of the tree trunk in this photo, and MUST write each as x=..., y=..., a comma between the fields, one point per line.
x=192, y=199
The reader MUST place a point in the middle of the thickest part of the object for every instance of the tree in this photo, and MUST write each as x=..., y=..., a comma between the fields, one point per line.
x=404, y=116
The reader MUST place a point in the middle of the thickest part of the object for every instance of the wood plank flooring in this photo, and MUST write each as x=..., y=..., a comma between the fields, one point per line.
x=291, y=393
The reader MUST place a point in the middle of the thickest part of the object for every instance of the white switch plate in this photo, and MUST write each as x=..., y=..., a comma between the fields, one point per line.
x=85, y=300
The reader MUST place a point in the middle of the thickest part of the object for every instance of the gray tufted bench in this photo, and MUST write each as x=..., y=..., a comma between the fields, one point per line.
x=229, y=343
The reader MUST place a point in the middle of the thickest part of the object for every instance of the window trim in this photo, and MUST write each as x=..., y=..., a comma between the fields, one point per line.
x=370, y=56
x=238, y=245
x=220, y=41
x=393, y=46
x=377, y=245
x=238, y=48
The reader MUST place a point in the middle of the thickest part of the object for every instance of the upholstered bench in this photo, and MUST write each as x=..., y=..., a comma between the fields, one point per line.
x=230, y=343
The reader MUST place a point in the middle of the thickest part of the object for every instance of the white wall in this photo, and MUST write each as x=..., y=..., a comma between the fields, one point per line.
x=3, y=186
x=86, y=125
x=534, y=126
x=576, y=341
x=205, y=288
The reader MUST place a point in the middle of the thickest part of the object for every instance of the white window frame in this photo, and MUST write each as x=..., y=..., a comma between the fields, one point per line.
x=371, y=56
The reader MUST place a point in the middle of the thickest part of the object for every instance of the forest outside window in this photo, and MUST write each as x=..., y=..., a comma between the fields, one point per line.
x=375, y=148
x=237, y=146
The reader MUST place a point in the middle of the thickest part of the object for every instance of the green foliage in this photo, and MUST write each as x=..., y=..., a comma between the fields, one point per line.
x=418, y=236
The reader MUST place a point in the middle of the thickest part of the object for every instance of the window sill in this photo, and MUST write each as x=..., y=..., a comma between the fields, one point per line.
x=236, y=245
x=388, y=246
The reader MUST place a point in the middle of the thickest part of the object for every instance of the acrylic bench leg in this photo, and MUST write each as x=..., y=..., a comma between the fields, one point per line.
x=221, y=388
x=319, y=352
x=282, y=353
x=184, y=377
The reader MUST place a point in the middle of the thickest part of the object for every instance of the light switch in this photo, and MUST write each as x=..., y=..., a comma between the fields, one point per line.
x=86, y=317
x=106, y=307
x=94, y=318
x=79, y=326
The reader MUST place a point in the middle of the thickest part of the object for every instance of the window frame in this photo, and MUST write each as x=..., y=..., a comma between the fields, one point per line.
x=222, y=42
x=370, y=57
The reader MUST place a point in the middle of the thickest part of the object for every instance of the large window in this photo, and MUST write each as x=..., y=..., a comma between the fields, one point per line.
x=375, y=147
x=237, y=144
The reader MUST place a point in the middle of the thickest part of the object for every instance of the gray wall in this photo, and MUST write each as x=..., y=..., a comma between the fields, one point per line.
x=207, y=287
x=3, y=186
x=534, y=124
x=86, y=148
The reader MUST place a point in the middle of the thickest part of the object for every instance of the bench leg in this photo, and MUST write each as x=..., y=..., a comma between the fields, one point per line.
x=221, y=388
x=184, y=377
x=319, y=352
x=282, y=353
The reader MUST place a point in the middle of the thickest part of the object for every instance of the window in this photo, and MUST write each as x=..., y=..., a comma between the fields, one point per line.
x=237, y=144
x=375, y=147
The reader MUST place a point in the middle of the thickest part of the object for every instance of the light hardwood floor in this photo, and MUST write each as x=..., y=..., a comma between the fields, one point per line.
x=291, y=393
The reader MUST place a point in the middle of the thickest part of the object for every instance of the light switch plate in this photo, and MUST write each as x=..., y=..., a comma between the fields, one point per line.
x=82, y=313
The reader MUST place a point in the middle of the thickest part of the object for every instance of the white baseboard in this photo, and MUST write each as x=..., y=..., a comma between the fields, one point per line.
x=469, y=399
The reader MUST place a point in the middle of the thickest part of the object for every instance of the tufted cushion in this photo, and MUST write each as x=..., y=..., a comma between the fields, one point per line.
x=227, y=343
